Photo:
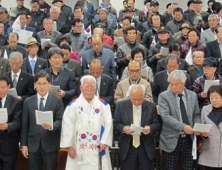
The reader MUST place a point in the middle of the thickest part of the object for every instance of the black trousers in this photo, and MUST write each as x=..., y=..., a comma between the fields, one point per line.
x=37, y=159
x=182, y=153
x=7, y=161
x=136, y=157
x=210, y=168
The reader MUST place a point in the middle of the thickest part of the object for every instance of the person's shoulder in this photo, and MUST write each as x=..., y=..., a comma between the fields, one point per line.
x=103, y=76
x=27, y=75
x=190, y=93
x=108, y=51
x=103, y=101
x=207, y=109
x=72, y=102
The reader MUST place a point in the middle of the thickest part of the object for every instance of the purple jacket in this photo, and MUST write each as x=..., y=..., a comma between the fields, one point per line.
x=186, y=48
x=198, y=88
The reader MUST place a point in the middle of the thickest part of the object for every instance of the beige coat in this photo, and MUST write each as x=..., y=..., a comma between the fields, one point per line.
x=119, y=33
x=122, y=93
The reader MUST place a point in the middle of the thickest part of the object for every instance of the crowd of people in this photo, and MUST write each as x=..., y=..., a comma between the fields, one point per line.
x=95, y=71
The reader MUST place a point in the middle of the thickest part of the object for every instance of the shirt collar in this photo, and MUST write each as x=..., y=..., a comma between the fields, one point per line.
x=30, y=59
x=18, y=74
x=39, y=97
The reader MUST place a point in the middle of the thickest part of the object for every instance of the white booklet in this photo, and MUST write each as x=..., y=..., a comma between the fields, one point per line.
x=198, y=127
x=119, y=40
x=44, y=117
x=3, y=115
x=13, y=92
x=53, y=89
x=209, y=83
x=136, y=129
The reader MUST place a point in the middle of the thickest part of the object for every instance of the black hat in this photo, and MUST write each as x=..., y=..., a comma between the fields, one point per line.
x=154, y=2
x=56, y=1
x=101, y=25
x=162, y=29
x=80, y=4
x=210, y=61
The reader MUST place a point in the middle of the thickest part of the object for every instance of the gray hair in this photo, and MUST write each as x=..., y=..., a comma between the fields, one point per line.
x=97, y=35
x=195, y=52
x=214, y=15
x=16, y=55
x=100, y=29
x=87, y=77
x=47, y=19
x=135, y=87
x=178, y=75
x=56, y=8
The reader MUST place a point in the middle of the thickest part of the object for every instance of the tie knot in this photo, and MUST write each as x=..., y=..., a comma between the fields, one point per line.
x=180, y=95
x=15, y=75
x=42, y=98
x=32, y=60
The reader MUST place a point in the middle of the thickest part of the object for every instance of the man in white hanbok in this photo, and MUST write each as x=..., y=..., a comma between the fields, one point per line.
x=87, y=129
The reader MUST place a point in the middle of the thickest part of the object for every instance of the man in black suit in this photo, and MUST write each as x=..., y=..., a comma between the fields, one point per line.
x=61, y=76
x=40, y=143
x=13, y=46
x=135, y=148
x=9, y=137
x=105, y=87
x=174, y=48
x=20, y=80
x=214, y=48
x=33, y=64
x=160, y=83
x=71, y=64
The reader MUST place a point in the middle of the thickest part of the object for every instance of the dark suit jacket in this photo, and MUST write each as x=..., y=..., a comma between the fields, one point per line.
x=28, y=28
x=54, y=37
x=10, y=138
x=161, y=65
x=67, y=83
x=25, y=85
x=18, y=49
x=32, y=135
x=106, y=88
x=124, y=117
x=193, y=74
x=4, y=65
x=161, y=84
x=40, y=64
x=213, y=50
x=75, y=66
x=107, y=59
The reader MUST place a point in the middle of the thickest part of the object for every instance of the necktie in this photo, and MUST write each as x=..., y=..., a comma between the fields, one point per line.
x=33, y=65
x=183, y=110
x=0, y=103
x=14, y=81
x=136, y=137
x=96, y=93
x=41, y=105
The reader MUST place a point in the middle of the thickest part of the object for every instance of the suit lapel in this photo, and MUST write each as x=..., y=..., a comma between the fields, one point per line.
x=144, y=113
x=20, y=81
x=48, y=102
x=129, y=111
x=8, y=101
x=175, y=104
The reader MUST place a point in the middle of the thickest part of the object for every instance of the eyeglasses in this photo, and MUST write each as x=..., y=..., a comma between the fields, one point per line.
x=134, y=71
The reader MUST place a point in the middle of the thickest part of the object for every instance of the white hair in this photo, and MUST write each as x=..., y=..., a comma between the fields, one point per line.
x=82, y=80
x=56, y=8
x=16, y=55
x=135, y=87
x=178, y=75
x=214, y=15
x=195, y=52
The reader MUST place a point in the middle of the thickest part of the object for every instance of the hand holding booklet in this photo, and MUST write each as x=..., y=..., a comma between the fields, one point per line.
x=44, y=117
x=136, y=129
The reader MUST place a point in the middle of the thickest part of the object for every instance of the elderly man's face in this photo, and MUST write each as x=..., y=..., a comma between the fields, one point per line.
x=33, y=50
x=48, y=25
x=103, y=15
x=172, y=65
x=95, y=70
x=12, y=41
x=23, y=20
x=3, y=16
x=15, y=64
x=198, y=59
x=97, y=44
x=34, y=7
x=126, y=23
x=137, y=97
x=131, y=36
x=213, y=22
x=176, y=86
x=134, y=70
x=78, y=13
x=77, y=28
x=88, y=89
x=54, y=14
